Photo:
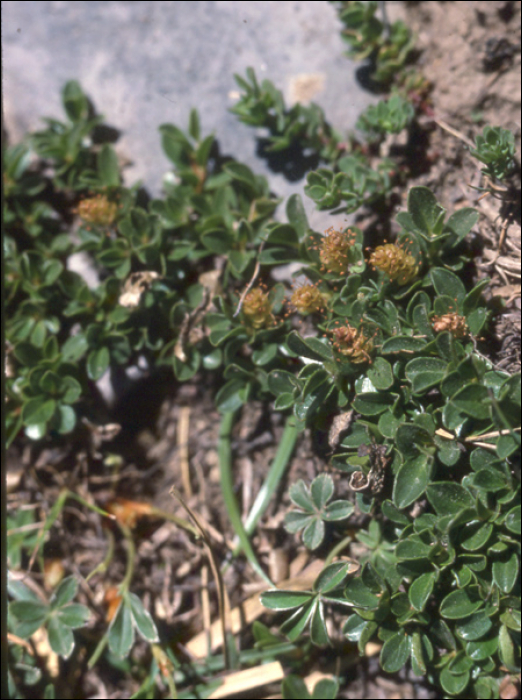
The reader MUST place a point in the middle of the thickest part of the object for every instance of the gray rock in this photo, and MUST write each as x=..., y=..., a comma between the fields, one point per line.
x=148, y=63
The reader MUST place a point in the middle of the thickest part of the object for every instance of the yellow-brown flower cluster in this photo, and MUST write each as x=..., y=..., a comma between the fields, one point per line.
x=307, y=299
x=98, y=210
x=453, y=323
x=352, y=343
x=257, y=309
x=394, y=261
x=333, y=250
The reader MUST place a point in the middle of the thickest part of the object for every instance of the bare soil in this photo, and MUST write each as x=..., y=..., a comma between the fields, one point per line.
x=470, y=51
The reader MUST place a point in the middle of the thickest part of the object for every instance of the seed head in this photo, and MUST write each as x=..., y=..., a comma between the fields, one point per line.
x=307, y=299
x=352, y=343
x=453, y=323
x=394, y=261
x=333, y=250
x=257, y=309
x=98, y=210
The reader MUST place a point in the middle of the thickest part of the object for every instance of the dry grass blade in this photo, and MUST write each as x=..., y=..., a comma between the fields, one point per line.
x=223, y=602
x=250, y=678
x=250, y=610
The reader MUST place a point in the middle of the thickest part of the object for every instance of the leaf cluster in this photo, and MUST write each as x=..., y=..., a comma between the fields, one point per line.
x=495, y=147
x=392, y=332
x=263, y=105
x=387, y=46
x=27, y=613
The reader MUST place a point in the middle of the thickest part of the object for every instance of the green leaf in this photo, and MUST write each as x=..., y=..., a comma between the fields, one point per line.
x=142, y=619
x=473, y=400
x=27, y=354
x=297, y=520
x=186, y=370
x=389, y=424
x=411, y=481
x=293, y=687
x=38, y=410
x=97, y=363
x=462, y=603
x=490, y=480
x=74, y=615
x=507, y=650
x=373, y=403
x=354, y=628
x=29, y=611
x=505, y=573
x=475, y=534
x=296, y=215
x=403, y=343
x=74, y=101
x=65, y=592
x=513, y=519
x=219, y=241
x=453, y=684
x=421, y=589
x=280, y=381
x=300, y=496
x=285, y=600
x=240, y=172
x=264, y=355
x=426, y=213
x=391, y=512
x=50, y=382
x=476, y=320
x=395, y=652
x=448, y=451
x=325, y=689
x=412, y=440
x=313, y=534
x=284, y=401
x=357, y=593
x=337, y=510
x=460, y=223
x=296, y=624
x=448, y=284
x=332, y=577
x=74, y=348
x=413, y=548
x=381, y=374
x=121, y=631
x=425, y=372
x=474, y=627
x=61, y=638
x=311, y=348
x=448, y=498
x=276, y=256
x=318, y=631
x=231, y=396
x=482, y=648
x=108, y=168
x=321, y=490
x=194, y=126
x=282, y=235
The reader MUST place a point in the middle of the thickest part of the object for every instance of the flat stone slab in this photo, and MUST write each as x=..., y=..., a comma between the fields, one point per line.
x=148, y=63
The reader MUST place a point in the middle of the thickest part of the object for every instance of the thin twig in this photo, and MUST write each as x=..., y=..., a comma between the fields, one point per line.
x=495, y=433
x=183, y=438
x=454, y=132
x=223, y=602
x=251, y=283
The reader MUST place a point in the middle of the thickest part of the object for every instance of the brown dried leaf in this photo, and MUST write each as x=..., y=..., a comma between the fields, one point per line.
x=136, y=284
x=340, y=424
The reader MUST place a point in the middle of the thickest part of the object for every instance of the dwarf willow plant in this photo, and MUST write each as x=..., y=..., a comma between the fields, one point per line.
x=495, y=147
x=388, y=47
x=383, y=334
